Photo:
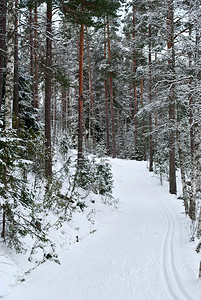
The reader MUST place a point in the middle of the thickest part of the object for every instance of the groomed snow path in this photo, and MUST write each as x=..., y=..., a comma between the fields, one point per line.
x=141, y=252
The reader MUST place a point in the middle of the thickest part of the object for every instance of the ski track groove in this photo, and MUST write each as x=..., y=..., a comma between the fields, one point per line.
x=172, y=279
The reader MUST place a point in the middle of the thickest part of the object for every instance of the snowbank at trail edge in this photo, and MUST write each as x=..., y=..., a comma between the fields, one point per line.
x=140, y=252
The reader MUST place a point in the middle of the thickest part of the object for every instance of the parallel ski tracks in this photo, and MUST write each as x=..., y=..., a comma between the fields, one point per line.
x=174, y=284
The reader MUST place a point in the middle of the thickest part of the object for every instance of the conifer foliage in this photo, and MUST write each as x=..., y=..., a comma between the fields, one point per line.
x=120, y=78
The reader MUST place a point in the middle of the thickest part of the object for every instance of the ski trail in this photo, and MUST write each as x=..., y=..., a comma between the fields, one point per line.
x=174, y=285
x=130, y=258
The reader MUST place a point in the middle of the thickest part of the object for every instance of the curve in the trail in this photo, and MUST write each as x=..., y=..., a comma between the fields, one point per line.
x=133, y=257
x=174, y=285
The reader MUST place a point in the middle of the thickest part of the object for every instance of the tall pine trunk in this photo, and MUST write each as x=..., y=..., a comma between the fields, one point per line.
x=196, y=184
x=134, y=83
x=16, y=73
x=150, y=100
x=3, y=8
x=106, y=102
x=36, y=96
x=143, y=121
x=31, y=43
x=91, y=117
x=80, y=104
x=9, y=89
x=111, y=93
x=171, y=63
x=48, y=91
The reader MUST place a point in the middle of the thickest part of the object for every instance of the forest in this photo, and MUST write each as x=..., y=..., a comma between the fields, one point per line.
x=84, y=80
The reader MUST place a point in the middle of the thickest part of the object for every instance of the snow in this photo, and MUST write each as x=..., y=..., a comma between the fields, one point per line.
x=139, y=251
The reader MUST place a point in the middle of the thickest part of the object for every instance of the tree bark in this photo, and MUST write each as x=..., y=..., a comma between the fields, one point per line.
x=91, y=118
x=150, y=100
x=81, y=113
x=106, y=102
x=143, y=121
x=171, y=63
x=68, y=111
x=3, y=8
x=134, y=83
x=48, y=91
x=196, y=114
x=36, y=96
x=10, y=67
x=16, y=73
x=191, y=100
x=111, y=93
x=31, y=42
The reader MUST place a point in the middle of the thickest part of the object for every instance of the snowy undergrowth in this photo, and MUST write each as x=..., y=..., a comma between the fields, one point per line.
x=79, y=214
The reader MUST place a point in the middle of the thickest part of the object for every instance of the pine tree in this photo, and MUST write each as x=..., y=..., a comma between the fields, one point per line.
x=48, y=91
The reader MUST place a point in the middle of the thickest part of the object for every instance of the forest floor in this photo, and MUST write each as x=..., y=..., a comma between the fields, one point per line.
x=140, y=252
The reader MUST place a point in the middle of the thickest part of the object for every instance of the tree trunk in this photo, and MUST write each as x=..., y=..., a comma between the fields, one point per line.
x=143, y=121
x=171, y=62
x=111, y=93
x=196, y=153
x=106, y=102
x=81, y=113
x=3, y=8
x=63, y=108
x=10, y=67
x=31, y=43
x=134, y=83
x=182, y=169
x=48, y=91
x=150, y=100
x=68, y=112
x=196, y=114
x=191, y=100
x=36, y=96
x=91, y=119
x=16, y=75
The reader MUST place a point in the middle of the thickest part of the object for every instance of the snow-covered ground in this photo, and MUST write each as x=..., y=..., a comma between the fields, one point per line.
x=140, y=251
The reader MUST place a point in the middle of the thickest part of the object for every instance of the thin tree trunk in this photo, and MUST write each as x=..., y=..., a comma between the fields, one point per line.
x=31, y=42
x=3, y=8
x=196, y=153
x=182, y=168
x=198, y=234
x=195, y=131
x=54, y=116
x=150, y=100
x=143, y=122
x=10, y=67
x=91, y=121
x=171, y=62
x=134, y=83
x=111, y=93
x=3, y=233
x=68, y=111
x=9, y=88
x=81, y=113
x=155, y=96
x=16, y=75
x=196, y=115
x=106, y=102
x=36, y=96
x=191, y=101
x=48, y=91
x=131, y=101
x=63, y=107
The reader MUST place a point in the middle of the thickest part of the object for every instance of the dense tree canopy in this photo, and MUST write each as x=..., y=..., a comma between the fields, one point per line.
x=130, y=68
